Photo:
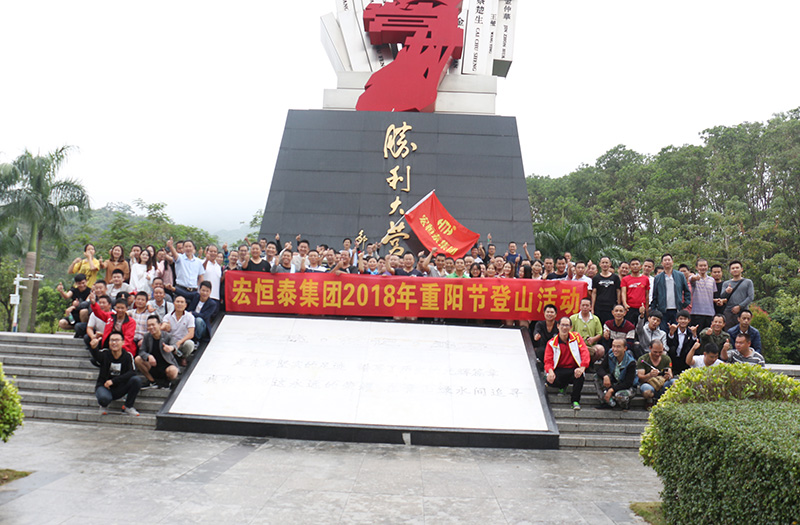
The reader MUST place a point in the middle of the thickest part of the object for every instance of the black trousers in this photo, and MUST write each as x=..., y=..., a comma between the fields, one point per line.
x=565, y=376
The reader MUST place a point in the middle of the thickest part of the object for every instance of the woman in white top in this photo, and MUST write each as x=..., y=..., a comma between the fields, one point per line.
x=536, y=270
x=142, y=273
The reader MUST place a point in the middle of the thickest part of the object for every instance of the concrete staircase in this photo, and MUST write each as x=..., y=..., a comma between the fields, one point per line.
x=56, y=381
x=594, y=428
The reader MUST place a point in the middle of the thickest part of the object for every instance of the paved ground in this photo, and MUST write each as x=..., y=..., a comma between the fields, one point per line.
x=85, y=474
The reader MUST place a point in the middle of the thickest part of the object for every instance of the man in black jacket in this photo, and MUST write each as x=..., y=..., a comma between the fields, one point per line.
x=117, y=377
x=616, y=377
x=204, y=309
x=680, y=340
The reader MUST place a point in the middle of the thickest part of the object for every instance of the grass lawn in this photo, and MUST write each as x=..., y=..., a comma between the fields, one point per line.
x=7, y=475
x=650, y=512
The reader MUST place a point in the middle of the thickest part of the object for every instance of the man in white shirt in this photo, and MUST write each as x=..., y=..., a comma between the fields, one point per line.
x=580, y=275
x=180, y=325
x=213, y=271
x=710, y=357
x=188, y=268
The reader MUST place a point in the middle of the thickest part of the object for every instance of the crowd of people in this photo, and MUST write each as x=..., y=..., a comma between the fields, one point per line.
x=639, y=326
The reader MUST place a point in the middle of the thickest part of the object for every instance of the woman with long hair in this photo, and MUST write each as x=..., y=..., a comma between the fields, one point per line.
x=508, y=271
x=142, y=273
x=116, y=261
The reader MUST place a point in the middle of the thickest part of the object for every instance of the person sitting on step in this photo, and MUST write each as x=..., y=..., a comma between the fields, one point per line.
x=156, y=357
x=655, y=372
x=117, y=377
x=565, y=360
x=616, y=379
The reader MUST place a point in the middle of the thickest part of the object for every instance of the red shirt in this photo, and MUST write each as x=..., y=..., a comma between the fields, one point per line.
x=638, y=290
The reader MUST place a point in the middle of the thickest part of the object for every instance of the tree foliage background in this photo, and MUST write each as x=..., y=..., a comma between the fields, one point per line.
x=733, y=197
x=116, y=223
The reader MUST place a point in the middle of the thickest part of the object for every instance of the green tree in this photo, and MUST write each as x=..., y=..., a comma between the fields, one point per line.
x=50, y=308
x=43, y=203
x=580, y=239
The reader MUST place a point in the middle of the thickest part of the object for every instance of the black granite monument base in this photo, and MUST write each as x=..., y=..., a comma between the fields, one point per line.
x=331, y=174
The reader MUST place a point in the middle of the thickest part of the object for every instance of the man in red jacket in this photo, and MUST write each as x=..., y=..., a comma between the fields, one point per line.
x=565, y=360
x=117, y=321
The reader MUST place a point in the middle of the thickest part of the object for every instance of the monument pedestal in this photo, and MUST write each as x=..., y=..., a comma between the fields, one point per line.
x=328, y=379
x=330, y=179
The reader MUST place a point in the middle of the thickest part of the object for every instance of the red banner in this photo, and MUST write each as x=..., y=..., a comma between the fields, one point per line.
x=434, y=226
x=375, y=296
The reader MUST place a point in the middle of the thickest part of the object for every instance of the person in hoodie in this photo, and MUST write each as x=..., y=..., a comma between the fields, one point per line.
x=616, y=378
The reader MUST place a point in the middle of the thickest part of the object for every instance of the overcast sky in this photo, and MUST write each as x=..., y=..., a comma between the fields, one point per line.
x=184, y=102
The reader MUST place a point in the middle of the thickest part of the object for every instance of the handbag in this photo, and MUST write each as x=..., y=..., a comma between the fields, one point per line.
x=657, y=382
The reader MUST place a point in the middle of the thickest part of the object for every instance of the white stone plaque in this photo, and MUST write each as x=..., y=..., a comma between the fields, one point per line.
x=333, y=43
x=504, y=37
x=477, y=60
x=352, y=33
x=364, y=373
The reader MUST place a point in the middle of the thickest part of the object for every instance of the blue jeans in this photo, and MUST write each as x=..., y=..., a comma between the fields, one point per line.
x=200, y=328
x=130, y=388
x=645, y=387
x=670, y=317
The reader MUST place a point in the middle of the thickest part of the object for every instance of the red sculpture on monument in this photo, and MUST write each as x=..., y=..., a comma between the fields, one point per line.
x=431, y=39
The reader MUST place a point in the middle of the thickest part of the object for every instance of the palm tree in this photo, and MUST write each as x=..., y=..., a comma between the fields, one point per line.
x=34, y=197
x=580, y=239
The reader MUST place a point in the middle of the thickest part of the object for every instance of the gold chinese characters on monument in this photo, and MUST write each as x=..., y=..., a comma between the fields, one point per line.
x=397, y=145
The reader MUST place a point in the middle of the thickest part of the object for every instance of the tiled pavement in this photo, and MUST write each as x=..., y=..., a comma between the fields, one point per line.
x=87, y=474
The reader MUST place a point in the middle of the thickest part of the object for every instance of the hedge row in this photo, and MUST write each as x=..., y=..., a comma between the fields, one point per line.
x=730, y=462
x=10, y=407
x=725, y=442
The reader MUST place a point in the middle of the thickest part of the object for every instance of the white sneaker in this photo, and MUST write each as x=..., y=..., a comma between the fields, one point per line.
x=130, y=411
x=103, y=410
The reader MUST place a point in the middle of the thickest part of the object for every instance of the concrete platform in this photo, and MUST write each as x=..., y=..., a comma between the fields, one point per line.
x=104, y=474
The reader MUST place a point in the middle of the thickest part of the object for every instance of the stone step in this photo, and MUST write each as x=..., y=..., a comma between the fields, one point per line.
x=46, y=361
x=603, y=441
x=147, y=399
x=594, y=427
x=566, y=413
x=75, y=386
x=62, y=385
x=637, y=403
x=39, y=339
x=40, y=351
x=789, y=370
x=51, y=372
x=88, y=414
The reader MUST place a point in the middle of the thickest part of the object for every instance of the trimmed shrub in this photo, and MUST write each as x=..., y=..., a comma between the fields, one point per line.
x=724, y=441
x=729, y=462
x=772, y=348
x=11, y=415
x=739, y=381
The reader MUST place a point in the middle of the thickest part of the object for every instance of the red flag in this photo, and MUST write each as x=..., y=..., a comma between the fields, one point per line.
x=434, y=226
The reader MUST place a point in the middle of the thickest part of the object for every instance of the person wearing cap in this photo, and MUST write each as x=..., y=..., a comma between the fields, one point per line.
x=565, y=360
x=648, y=329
